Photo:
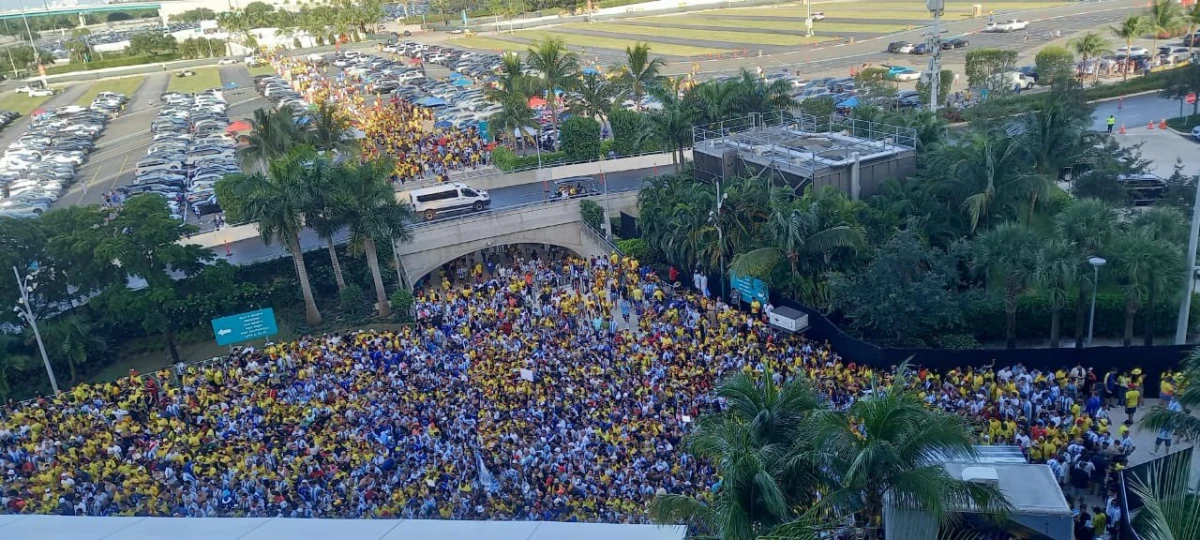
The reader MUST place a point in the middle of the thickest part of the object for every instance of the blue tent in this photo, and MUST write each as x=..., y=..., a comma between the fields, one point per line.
x=590, y=71
x=461, y=82
x=455, y=75
x=443, y=125
x=849, y=103
x=431, y=101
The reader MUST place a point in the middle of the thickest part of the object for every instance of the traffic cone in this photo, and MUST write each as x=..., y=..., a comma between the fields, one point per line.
x=1162, y=124
x=1122, y=132
x=1150, y=125
x=228, y=252
x=1120, y=102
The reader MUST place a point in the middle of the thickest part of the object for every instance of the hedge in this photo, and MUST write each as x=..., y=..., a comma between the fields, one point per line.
x=111, y=63
x=985, y=318
x=508, y=161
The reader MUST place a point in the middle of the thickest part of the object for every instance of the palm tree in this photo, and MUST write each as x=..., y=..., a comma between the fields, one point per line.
x=1167, y=228
x=796, y=229
x=514, y=118
x=272, y=135
x=596, y=97
x=713, y=101
x=1089, y=225
x=673, y=124
x=986, y=176
x=321, y=180
x=756, y=444
x=1137, y=256
x=1169, y=498
x=1133, y=27
x=559, y=71
x=331, y=130
x=276, y=200
x=1164, y=17
x=1007, y=257
x=755, y=96
x=890, y=445
x=72, y=341
x=1191, y=18
x=10, y=365
x=1181, y=422
x=1090, y=45
x=639, y=72
x=367, y=205
x=1056, y=271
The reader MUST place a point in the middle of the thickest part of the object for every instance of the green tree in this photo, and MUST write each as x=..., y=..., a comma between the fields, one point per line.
x=1007, y=256
x=1181, y=82
x=595, y=97
x=639, y=71
x=890, y=444
x=1167, y=228
x=1054, y=63
x=1133, y=27
x=277, y=201
x=796, y=231
x=144, y=242
x=273, y=134
x=945, y=84
x=1141, y=265
x=367, y=205
x=627, y=128
x=581, y=138
x=986, y=175
x=1056, y=272
x=1169, y=498
x=908, y=292
x=873, y=83
x=1090, y=45
x=558, y=68
x=1191, y=18
x=1182, y=422
x=672, y=125
x=322, y=181
x=331, y=130
x=1163, y=18
x=73, y=341
x=983, y=64
x=1089, y=225
x=757, y=445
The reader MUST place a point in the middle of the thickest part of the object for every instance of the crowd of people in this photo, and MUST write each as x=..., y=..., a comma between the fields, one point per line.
x=534, y=386
x=393, y=127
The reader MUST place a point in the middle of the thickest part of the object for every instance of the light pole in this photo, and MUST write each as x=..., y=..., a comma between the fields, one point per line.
x=1096, y=263
x=935, y=56
x=24, y=310
x=1189, y=281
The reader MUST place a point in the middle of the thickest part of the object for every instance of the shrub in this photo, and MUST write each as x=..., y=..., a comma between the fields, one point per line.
x=402, y=303
x=957, y=341
x=507, y=160
x=1053, y=61
x=625, y=126
x=985, y=318
x=593, y=215
x=581, y=138
x=353, y=300
x=634, y=247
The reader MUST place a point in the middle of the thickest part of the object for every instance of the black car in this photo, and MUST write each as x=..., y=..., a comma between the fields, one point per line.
x=895, y=46
x=921, y=48
x=955, y=43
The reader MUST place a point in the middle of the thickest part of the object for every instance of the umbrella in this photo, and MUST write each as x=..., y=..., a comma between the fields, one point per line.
x=240, y=125
x=536, y=102
x=456, y=75
x=461, y=82
x=851, y=103
x=431, y=102
x=591, y=71
x=443, y=124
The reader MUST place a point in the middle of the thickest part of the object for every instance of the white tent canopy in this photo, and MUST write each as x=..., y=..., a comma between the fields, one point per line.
x=137, y=528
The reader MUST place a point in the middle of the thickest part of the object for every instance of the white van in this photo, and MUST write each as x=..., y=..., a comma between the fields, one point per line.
x=432, y=202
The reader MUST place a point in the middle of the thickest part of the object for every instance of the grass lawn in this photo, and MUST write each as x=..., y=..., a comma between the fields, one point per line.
x=819, y=26
x=20, y=103
x=618, y=43
x=204, y=79
x=648, y=33
x=265, y=69
x=124, y=85
x=891, y=10
x=488, y=44
x=1184, y=123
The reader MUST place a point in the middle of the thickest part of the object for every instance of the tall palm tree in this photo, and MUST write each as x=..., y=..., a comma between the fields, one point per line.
x=796, y=230
x=1056, y=271
x=1191, y=18
x=889, y=444
x=1090, y=45
x=713, y=101
x=321, y=180
x=756, y=96
x=1007, y=256
x=367, y=205
x=1169, y=498
x=514, y=118
x=559, y=71
x=272, y=135
x=1167, y=228
x=276, y=200
x=1163, y=17
x=331, y=130
x=1181, y=422
x=1089, y=225
x=639, y=71
x=756, y=444
x=673, y=124
x=1139, y=262
x=987, y=176
x=1133, y=27
x=72, y=341
x=596, y=97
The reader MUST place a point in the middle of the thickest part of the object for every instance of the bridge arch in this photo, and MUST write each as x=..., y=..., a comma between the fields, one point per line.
x=425, y=266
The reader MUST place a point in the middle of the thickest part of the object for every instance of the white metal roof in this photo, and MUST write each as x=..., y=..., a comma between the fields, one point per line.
x=137, y=528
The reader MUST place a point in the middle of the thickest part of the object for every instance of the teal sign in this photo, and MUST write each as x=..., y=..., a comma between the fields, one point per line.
x=245, y=326
x=749, y=288
x=483, y=131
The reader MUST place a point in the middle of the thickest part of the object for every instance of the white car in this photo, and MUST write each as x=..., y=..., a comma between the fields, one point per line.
x=907, y=48
x=1133, y=52
x=1011, y=25
x=1196, y=133
x=24, y=89
x=818, y=16
x=907, y=76
x=226, y=61
x=41, y=92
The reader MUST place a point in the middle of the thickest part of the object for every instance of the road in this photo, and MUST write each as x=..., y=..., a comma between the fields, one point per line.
x=254, y=250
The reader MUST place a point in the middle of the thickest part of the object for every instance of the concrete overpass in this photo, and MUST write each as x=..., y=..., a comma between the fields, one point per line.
x=557, y=223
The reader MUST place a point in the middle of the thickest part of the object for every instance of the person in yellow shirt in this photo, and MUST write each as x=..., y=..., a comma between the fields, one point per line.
x=1131, y=403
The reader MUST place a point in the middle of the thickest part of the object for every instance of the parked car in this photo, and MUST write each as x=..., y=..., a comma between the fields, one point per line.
x=818, y=16
x=226, y=61
x=955, y=43
x=896, y=46
x=1196, y=133
x=902, y=73
x=41, y=92
x=185, y=73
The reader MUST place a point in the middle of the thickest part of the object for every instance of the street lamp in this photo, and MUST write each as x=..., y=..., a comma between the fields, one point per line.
x=1096, y=263
x=24, y=310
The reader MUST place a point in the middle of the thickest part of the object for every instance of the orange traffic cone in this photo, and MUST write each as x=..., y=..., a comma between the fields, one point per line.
x=1150, y=125
x=1122, y=132
x=228, y=252
x=1162, y=124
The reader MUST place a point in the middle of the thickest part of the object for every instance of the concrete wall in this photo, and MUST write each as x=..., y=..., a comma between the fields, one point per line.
x=495, y=179
x=556, y=223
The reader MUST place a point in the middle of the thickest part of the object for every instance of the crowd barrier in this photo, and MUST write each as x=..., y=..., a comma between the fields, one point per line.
x=1152, y=360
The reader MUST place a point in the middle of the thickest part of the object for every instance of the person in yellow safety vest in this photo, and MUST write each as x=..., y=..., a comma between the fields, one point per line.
x=1112, y=120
